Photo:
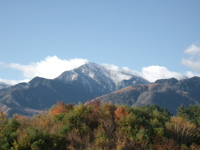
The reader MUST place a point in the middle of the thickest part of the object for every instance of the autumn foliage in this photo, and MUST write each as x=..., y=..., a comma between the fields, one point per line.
x=96, y=126
x=60, y=108
x=120, y=112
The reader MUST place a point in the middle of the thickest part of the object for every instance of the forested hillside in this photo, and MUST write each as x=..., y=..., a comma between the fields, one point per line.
x=108, y=127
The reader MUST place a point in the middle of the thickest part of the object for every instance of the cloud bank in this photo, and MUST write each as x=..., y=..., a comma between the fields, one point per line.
x=49, y=68
x=150, y=73
x=153, y=73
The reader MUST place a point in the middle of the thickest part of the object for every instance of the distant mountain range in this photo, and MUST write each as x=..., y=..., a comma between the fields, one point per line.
x=168, y=93
x=90, y=81
x=79, y=85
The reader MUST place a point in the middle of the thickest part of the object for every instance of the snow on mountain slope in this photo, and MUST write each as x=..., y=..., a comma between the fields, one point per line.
x=78, y=85
x=108, y=76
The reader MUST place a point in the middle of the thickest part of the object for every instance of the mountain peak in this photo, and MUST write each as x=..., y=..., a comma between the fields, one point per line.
x=81, y=84
x=111, y=77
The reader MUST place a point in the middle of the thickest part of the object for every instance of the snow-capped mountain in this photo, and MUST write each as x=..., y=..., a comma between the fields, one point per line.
x=107, y=78
x=79, y=85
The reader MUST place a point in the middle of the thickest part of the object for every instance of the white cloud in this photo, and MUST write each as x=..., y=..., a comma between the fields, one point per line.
x=120, y=69
x=192, y=50
x=50, y=67
x=193, y=59
x=191, y=63
x=152, y=73
x=190, y=74
x=118, y=74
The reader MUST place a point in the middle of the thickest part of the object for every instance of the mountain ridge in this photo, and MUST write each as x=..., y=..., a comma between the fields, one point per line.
x=169, y=93
x=78, y=85
x=105, y=83
x=4, y=85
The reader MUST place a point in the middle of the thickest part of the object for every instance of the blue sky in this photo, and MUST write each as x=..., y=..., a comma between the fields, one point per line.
x=159, y=36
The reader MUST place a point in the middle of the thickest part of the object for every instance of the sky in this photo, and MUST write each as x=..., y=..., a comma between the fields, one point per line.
x=157, y=38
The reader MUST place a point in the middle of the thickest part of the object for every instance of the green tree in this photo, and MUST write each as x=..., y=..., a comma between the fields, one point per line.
x=192, y=113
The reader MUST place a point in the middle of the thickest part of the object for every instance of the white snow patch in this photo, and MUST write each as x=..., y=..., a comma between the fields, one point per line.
x=91, y=75
x=74, y=76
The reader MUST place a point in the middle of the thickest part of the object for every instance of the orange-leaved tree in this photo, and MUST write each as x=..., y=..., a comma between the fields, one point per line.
x=60, y=108
x=120, y=111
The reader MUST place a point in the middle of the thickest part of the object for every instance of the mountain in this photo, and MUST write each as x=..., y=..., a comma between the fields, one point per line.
x=3, y=85
x=79, y=85
x=91, y=75
x=168, y=93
